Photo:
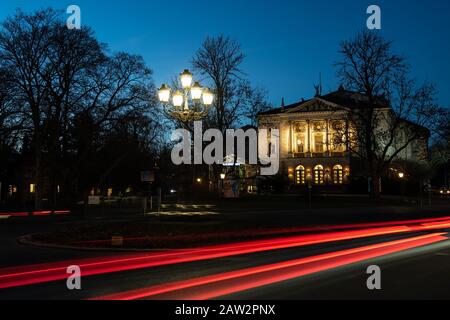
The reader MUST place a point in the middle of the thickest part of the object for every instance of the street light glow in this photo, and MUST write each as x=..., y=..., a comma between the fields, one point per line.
x=196, y=91
x=186, y=79
x=177, y=99
x=208, y=97
x=190, y=102
x=164, y=93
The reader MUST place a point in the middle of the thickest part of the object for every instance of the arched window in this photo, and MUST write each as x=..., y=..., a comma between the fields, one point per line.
x=300, y=175
x=318, y=174
x=338, y=174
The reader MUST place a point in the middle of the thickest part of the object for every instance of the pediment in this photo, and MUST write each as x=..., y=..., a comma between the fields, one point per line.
x=316, y=105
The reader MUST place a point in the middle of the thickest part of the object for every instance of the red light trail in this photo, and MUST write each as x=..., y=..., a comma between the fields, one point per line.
x=14, y=214
x=281, y=231
x=34, y=213
x=27, y=275
x=218, y=285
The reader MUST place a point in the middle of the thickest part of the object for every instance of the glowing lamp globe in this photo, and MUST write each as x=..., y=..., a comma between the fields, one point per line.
x=177, y=99
x=208, y=97
x=186, y=79
x=164, y=93
x=196, y=91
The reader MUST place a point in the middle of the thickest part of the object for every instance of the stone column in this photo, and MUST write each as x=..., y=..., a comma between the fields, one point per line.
x=291, y=134
x=347, y=133
x=328, y=136
x=309, y=149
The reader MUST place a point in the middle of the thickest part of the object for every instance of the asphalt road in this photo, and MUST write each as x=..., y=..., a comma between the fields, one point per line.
x=418, y=273
x=422, y=272
x=13, y=253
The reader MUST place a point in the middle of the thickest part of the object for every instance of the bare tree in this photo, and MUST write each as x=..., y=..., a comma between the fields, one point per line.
x=24, y=44
x=11, y=113
x=73, y=56
x=255, y=104
x=444, y=127
x=440, y=150
x=61, y=78
x=220, y=59
x=117, y=93
x=394, y=114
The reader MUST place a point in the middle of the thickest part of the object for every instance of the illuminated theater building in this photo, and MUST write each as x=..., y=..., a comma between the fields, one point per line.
x=309, y=154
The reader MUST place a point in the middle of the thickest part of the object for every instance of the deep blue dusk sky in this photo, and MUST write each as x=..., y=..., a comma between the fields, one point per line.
x=287, y=42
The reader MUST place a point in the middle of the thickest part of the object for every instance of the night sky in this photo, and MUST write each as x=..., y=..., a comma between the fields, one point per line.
x=287, y=43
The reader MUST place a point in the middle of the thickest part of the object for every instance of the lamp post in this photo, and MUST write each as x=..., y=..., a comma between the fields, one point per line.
x=402, y=178
x=190, y=103
x=221, y=184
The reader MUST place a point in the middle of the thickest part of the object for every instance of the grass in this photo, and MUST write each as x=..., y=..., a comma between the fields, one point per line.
x=191, y=231
x=153, y=234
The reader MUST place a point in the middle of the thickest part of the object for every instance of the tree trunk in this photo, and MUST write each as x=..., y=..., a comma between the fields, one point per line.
x=37, y=182
x=375, y=191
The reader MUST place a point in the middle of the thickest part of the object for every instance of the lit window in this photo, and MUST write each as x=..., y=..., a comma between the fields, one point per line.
x=318, y=175
x=300, y=143
x=110, y=192
x=300, y=175
x=318, y=142
x=12, y=190
x=338, y=174
x=32, y=188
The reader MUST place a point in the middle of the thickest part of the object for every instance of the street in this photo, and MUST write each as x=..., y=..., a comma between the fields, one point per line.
x=414, y=257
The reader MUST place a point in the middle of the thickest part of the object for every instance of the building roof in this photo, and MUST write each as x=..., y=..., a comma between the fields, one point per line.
x=341, y=97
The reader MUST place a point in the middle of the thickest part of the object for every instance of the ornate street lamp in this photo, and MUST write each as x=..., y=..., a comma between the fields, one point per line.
x=192, y=103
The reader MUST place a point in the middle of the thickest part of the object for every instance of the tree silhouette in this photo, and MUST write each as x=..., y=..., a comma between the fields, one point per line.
x=396, y=113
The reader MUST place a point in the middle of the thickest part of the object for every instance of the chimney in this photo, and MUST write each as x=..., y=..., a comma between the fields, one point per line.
x=282, y=104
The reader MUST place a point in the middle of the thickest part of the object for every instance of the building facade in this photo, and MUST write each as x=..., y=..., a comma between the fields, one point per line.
x=312, y=151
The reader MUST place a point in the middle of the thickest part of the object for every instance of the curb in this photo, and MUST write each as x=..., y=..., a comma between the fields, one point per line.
x=28, y=241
